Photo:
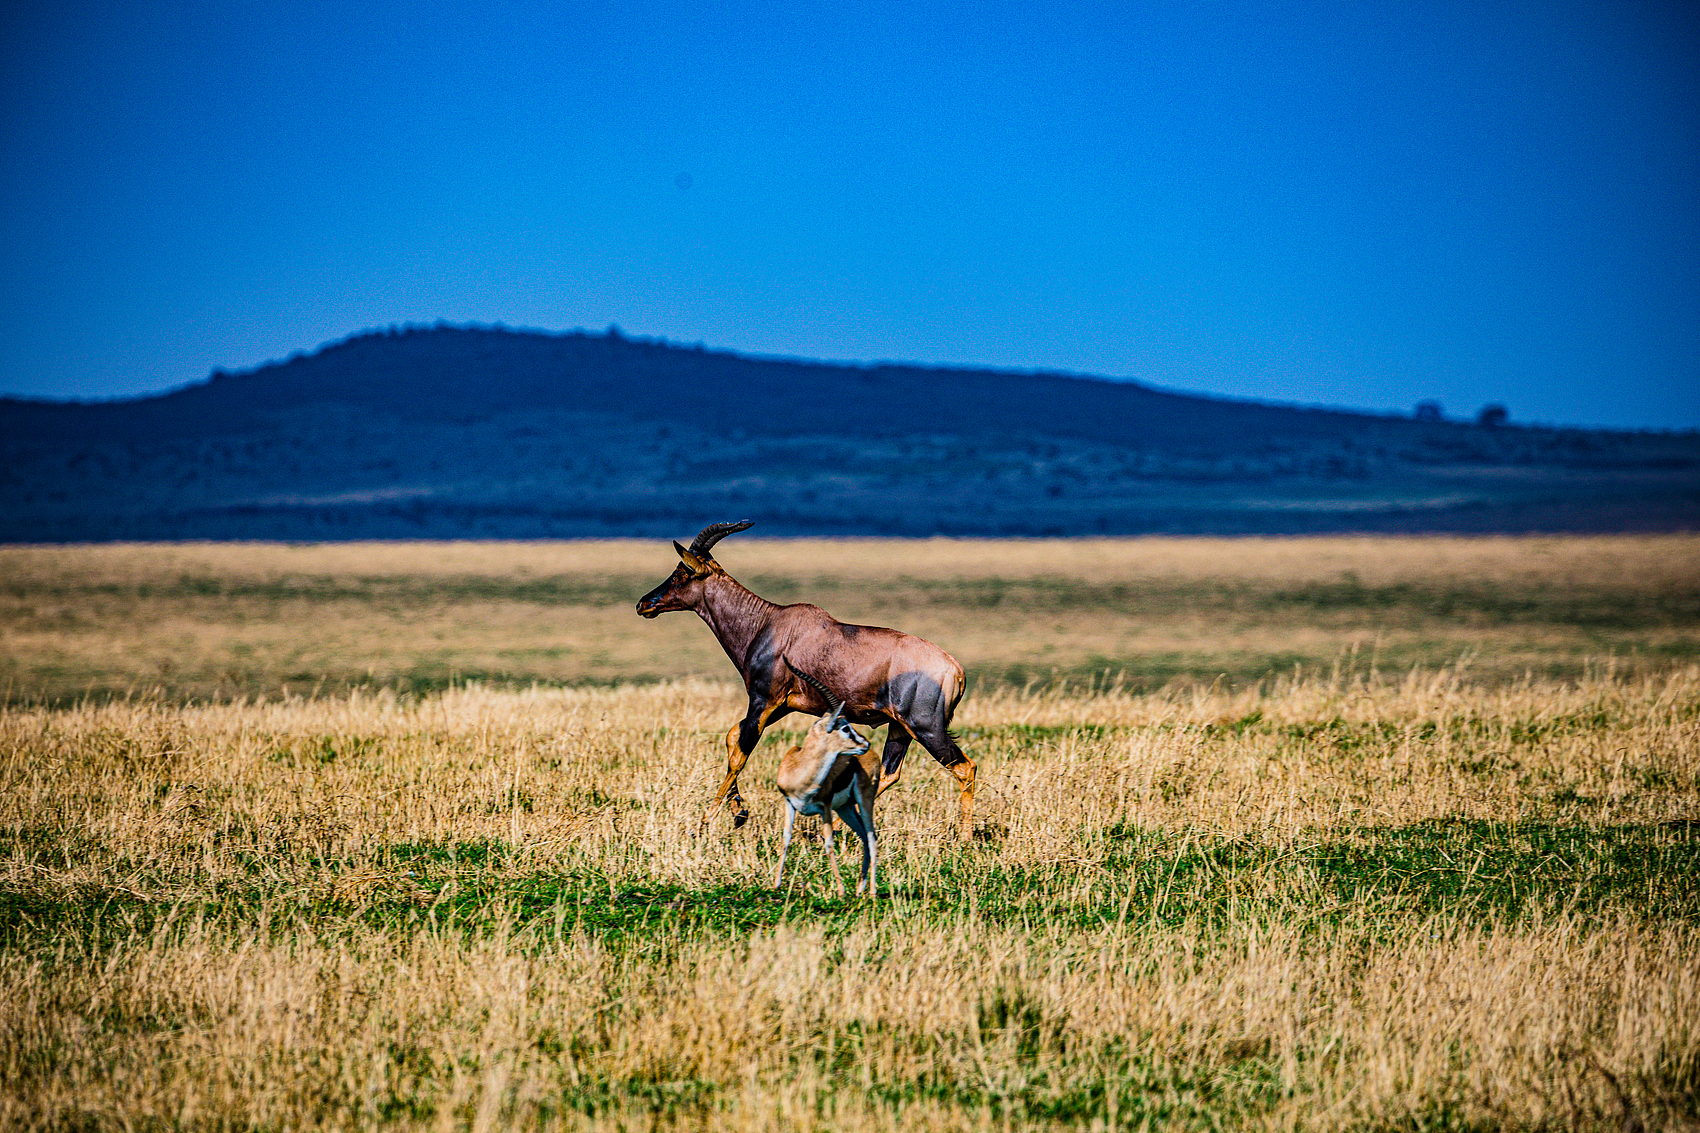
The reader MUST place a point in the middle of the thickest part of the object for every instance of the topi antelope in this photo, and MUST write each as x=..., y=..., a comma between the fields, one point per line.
x=825, y=775
x=880, y=676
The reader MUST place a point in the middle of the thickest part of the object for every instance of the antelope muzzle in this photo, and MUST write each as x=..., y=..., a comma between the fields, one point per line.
x=659, y=601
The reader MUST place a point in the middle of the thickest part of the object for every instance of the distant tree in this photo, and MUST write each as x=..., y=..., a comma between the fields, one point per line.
x=1493, y=414
x=1428, y=411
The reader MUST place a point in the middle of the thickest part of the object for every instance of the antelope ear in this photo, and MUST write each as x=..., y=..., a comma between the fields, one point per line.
x=698, y=566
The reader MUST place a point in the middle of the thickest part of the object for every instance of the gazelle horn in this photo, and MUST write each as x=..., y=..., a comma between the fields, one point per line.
x=837, y=704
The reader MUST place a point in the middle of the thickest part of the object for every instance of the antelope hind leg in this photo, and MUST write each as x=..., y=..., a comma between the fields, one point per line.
x=897, y=740
x=943, y=747
x=964, y=773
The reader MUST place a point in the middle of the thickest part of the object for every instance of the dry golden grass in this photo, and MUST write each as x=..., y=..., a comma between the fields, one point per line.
x=485, y=908
x=1352, y=898
x=253, y=619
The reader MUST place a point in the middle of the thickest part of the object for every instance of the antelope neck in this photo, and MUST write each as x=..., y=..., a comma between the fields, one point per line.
x=734, y=615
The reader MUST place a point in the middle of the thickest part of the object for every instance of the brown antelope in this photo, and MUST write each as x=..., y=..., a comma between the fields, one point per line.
x=824, y=775
x=879, y=675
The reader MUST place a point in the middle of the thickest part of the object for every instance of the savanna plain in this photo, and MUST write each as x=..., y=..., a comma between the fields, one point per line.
x=1271, y=834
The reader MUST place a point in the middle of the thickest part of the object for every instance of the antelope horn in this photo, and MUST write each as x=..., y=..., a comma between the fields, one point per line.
x=837, y=704
x=704, y=543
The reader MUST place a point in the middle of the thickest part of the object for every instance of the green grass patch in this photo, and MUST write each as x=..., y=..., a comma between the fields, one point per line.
x=1474, y=871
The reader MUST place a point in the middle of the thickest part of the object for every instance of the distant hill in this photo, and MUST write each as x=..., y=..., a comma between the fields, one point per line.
x=489, y=433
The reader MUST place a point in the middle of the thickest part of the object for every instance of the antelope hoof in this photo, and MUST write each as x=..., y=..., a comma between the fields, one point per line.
x=740, y=816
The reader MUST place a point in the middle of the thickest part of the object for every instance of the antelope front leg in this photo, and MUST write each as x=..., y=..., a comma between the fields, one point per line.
x=736, y=757
x=740, y=741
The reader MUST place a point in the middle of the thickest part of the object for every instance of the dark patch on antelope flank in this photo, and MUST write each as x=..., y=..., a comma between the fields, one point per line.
x=761, y=655
x=913, y=696
x=920, y=702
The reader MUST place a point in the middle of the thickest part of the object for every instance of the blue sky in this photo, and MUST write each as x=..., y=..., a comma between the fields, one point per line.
x=1360, y=204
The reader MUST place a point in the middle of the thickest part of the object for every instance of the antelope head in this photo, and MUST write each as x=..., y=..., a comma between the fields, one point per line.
x=682, y=589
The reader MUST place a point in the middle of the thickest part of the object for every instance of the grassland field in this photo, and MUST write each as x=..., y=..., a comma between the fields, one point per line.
x=1271, y=834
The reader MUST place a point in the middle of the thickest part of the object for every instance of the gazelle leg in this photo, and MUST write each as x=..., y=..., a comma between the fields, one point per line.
x=873, y=851
x=865, y=795
x=858, y=817
x=831, y=856
x=785, y=843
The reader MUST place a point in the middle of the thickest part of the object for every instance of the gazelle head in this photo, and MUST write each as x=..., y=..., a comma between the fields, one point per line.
x=832, y=732
x=682, y=589
x=834, y=735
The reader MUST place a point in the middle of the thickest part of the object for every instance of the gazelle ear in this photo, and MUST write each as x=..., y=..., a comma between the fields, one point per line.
x=698, y=566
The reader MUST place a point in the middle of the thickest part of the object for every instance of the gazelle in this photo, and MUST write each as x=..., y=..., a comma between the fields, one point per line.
x=879, y=675
x=827, y=775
